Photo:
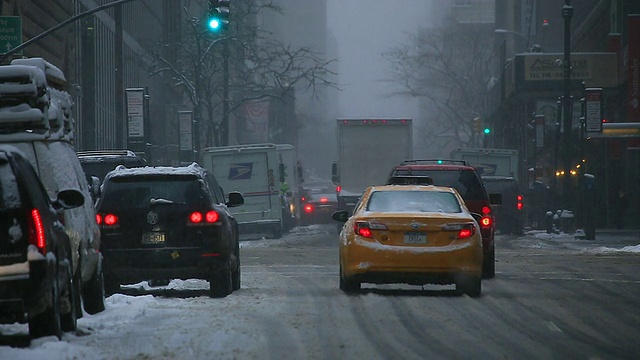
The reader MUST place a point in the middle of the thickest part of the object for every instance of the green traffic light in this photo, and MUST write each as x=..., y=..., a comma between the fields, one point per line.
x=214, y=23
x=486, y=131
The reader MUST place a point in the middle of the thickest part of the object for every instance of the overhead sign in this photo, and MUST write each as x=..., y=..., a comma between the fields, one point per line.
x=593, y=109
x=10, y=33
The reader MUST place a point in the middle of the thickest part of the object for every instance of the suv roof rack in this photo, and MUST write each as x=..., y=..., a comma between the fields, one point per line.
x=114, y=152
x=33, y=102
x=434, y=162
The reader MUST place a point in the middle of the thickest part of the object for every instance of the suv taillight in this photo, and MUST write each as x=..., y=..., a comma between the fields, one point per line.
x=486, y=221
x=37, y=235
x=107, y=220
x=208, y=218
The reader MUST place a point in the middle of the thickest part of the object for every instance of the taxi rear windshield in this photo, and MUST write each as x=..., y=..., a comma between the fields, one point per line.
x=414, y=201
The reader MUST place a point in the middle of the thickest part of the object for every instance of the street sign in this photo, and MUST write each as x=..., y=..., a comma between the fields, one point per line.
x=185, y=122
x=10, y=33
x=593, y=110
x=135, y=112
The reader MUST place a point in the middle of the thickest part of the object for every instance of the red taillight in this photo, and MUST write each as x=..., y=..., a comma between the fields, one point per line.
x=324, y=200
x=110, y=219
x=485, y=221
x=486, y=210
x=99, y=219
x=363, y=228
x=195, y=217
x=520, y=204
x=37, y=236
x=212, y=216
x=363, y=231
x=308, y=208
x=303, y=199
x=465, y=233
x=209, y=217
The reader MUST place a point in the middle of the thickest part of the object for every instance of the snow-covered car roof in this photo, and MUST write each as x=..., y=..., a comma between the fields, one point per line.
x=192, y=169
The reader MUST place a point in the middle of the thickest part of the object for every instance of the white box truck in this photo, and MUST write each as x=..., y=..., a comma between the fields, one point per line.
x=368, y=149
x=490, y=162
x=254, y=171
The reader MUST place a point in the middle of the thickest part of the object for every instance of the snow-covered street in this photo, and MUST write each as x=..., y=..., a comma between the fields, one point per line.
x=290, y=307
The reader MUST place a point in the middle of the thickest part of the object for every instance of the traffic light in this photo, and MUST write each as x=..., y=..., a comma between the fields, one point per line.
x=218, y=19
x=477, y=124
x=486, y=130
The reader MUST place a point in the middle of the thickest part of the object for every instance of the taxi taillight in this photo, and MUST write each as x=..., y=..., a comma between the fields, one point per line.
x=364, y=228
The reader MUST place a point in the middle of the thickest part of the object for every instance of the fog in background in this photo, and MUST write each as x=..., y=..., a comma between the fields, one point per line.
x=356, y=33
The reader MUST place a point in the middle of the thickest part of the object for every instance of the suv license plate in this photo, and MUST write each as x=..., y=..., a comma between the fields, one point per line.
x=153, y=238
x=415, y=238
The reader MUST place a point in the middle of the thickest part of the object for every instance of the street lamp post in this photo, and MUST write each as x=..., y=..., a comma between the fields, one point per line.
x=567, y=13
x=504, y=31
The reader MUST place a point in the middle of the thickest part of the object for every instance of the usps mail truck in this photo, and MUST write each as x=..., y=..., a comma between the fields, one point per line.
x=252, y=170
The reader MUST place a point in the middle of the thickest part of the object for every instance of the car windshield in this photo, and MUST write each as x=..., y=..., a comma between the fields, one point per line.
x=413, y=201
x=137, y=191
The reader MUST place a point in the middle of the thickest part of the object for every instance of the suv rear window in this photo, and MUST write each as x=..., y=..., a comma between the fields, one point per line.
x=138, y=190
x=465, y=181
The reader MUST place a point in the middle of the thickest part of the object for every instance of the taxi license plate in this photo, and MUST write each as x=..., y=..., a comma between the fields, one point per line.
x=415, y=238
x=153, y=238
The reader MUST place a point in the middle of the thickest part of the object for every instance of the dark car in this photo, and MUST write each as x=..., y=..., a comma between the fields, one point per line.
x=317, y=208
x=99, y=162
x=509, y=213
x=35, y=251
x=163, y=223
x=464, y=178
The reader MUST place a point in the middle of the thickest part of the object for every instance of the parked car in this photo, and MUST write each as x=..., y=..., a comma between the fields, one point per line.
x=99, y=162
x=411, y=234
x=36, y=117
x=36, y=282
x=509, y=214
x=161, y=223
x=466, y=180
x=317, y=208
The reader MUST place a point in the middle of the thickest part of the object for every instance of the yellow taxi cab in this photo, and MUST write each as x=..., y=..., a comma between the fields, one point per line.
x=410, y=234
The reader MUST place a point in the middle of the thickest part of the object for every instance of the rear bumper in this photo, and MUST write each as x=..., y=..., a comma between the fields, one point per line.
x=133, y=265
x=412, y=265
x=27, y=294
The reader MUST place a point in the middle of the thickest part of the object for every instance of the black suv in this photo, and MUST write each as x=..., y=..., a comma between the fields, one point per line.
x=35, y=251
x=99, y=162
x=464, y=178
x=161, y=223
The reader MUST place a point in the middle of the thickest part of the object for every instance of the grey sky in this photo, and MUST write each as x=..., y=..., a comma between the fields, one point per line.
x=364, y=29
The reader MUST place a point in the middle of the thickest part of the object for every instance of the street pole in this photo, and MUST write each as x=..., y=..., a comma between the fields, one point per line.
x=567, y=13
x=225, y=93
